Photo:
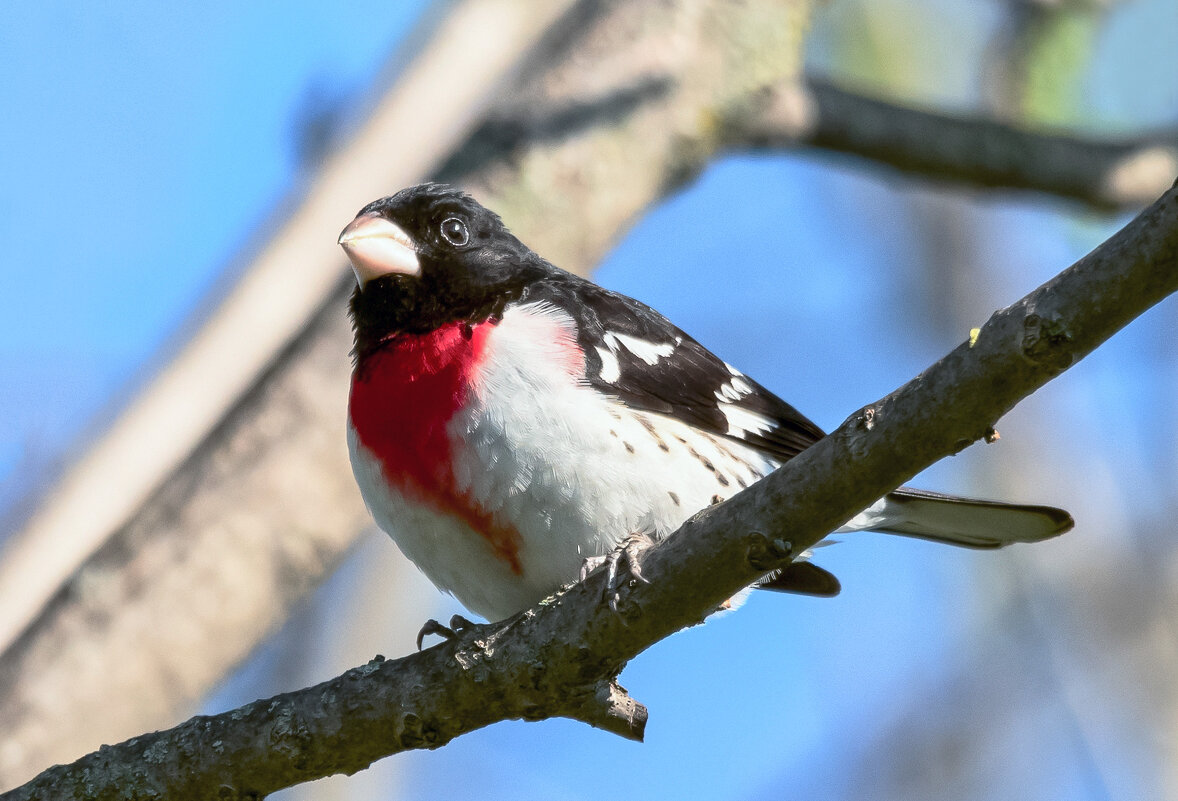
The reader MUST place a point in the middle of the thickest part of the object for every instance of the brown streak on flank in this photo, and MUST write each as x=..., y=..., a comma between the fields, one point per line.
x=674, y=497
x=650, y=429
x=723, y=448
x=629, y=447
x=705, y=461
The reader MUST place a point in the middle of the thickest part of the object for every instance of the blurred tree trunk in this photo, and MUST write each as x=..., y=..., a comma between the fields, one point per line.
x=616, y=104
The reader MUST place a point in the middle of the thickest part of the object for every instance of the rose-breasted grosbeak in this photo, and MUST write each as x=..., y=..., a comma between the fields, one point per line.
x=509, y=420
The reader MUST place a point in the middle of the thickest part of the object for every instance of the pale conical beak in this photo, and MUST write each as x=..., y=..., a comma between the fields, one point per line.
x=377, y=247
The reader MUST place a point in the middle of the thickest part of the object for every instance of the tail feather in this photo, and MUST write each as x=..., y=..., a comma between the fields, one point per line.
x=801, y=578
x=949, y=519
x=966, y=522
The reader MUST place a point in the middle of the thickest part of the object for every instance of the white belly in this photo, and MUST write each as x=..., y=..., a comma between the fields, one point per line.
x=571, y=472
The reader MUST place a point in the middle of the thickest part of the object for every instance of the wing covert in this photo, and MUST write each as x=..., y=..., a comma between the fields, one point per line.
x=640, y=357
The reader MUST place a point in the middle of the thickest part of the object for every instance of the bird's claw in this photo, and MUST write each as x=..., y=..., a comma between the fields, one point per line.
x=623, y=566
x=458, y=626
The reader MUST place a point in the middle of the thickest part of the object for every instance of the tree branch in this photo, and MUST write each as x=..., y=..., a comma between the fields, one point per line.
x=561, y=657
x=976, y=151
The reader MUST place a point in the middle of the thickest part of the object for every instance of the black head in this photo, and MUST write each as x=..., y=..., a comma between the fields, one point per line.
x=430, y=255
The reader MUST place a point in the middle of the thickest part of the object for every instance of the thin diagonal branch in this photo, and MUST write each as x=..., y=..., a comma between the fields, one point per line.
x=561, y=658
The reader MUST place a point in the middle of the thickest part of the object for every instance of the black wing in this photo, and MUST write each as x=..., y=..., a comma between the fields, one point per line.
x=640, y=357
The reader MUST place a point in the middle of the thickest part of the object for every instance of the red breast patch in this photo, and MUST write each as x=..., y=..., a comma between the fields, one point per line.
x=402, y=398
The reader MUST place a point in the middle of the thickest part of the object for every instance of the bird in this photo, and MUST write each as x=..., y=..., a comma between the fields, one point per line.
x=510, y=422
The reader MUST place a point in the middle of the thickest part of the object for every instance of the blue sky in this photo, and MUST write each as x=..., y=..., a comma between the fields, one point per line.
x=144, y=145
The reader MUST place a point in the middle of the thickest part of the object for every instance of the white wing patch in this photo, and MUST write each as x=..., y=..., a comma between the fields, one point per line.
x=733, y=390
x=611, y=371
x=649, y=352
x=742, y=421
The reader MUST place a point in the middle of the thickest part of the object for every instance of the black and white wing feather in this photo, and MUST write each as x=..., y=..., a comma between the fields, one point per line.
x=637, y=355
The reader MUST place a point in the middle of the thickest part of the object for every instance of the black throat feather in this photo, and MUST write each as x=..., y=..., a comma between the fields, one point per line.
x=391, y=306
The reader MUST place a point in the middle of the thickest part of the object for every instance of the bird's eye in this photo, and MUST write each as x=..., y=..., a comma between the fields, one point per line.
x=454, y=231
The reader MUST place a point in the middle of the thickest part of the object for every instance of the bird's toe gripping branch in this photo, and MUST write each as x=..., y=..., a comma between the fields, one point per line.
x=459, y=626
x=623, y=567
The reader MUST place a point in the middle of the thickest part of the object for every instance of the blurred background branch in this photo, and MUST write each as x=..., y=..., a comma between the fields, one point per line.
x=976, y=152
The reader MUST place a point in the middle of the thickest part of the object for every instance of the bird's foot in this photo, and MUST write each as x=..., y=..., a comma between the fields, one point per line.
x=458, y=627
x=623, y=567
